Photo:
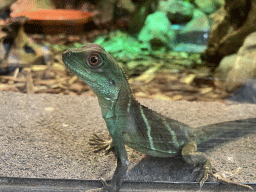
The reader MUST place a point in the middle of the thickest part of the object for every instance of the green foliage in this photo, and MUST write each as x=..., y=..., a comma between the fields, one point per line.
x=123, y=47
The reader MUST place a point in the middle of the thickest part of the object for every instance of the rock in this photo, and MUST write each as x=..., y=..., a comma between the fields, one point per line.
x=5, y=47
x=189, y=47
x=231, y=24
x=157, y=30
x=241, y=68
x=226, y=64
x=194, y=36
x=245, y=94
x=219, y=3
x=177, y=11
x=208, y=6
x=200, y=22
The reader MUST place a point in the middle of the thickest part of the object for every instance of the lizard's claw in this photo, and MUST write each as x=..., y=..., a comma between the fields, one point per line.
x=106, y=187
x=207, y=170
x=222, y=177
x=101, y=144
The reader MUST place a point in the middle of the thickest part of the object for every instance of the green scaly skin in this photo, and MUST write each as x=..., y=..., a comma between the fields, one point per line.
x=132, y=124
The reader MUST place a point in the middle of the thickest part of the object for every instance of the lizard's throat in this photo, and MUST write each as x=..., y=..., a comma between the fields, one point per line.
x=118, y=106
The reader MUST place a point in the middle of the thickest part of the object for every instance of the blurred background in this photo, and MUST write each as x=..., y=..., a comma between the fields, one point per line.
x=195, y=50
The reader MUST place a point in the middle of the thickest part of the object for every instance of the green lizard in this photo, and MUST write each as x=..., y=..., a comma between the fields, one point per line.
x=132, y=124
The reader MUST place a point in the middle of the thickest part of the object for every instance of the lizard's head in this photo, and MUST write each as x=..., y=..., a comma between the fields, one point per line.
x=96, y=68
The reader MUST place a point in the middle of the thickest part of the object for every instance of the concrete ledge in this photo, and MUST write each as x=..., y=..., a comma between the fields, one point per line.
x=46, y=136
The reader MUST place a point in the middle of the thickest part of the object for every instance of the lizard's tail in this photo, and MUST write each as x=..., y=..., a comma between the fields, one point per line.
x=226, y=130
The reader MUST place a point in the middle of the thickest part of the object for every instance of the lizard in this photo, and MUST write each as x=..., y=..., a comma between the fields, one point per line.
x=132, y=124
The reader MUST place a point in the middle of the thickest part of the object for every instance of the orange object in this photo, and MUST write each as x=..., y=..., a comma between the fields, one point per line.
x=54, y=21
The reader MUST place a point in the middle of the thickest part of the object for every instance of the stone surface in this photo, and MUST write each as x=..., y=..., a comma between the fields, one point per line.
x=245, y=94
x=199, y=22
x=207, y=6
x=226, y=64
x=46, y=136
x=239, y=68
x=177, y=11
x=231, y=24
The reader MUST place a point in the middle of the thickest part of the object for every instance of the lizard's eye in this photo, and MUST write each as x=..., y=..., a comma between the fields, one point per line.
x=94, y=60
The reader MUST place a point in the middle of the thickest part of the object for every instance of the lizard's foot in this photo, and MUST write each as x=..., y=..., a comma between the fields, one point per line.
x=101, y=144
x=106, y=187
x=222, y=177
x=192, y=156
x=206, y=170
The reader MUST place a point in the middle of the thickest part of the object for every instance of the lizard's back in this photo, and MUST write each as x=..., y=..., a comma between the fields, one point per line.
x=153, y=134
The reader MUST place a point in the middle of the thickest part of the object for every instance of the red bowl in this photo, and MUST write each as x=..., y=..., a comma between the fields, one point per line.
x=54, y=21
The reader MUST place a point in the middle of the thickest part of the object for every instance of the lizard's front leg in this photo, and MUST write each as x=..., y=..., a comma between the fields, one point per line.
x=122, y=162
x=122, y=165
